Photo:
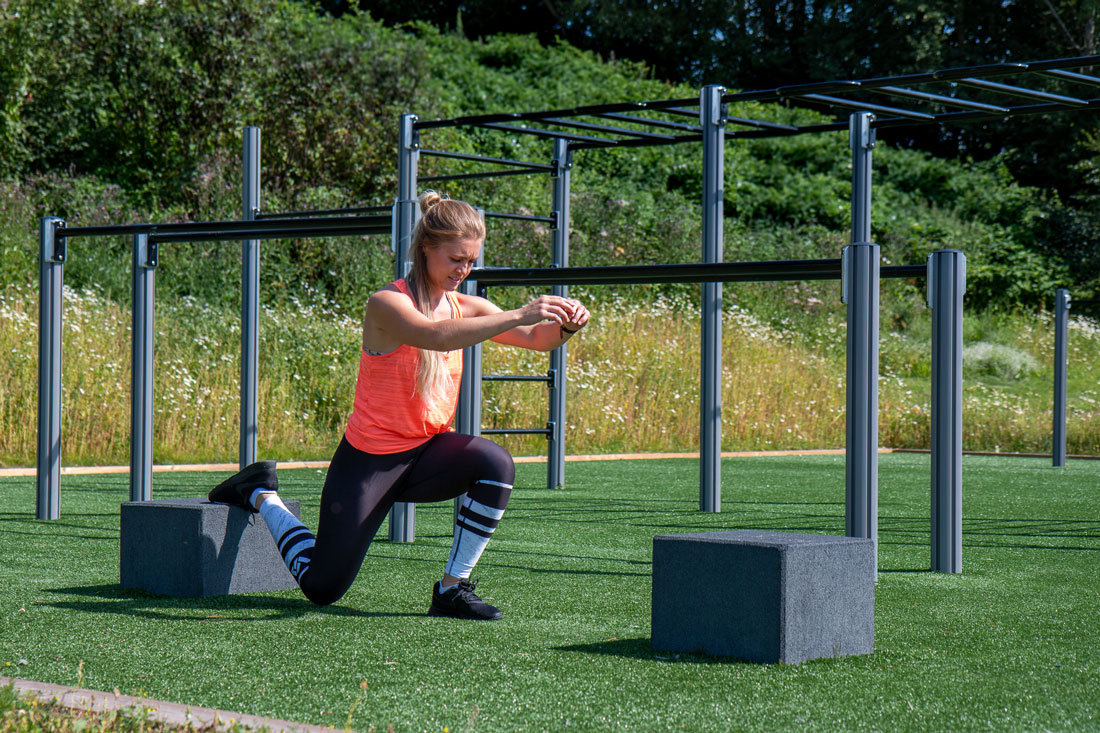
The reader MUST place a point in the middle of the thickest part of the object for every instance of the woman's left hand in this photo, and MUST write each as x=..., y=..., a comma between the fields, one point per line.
x=578, y=317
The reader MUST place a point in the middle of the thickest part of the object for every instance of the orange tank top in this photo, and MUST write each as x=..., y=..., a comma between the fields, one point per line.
x=390, y=416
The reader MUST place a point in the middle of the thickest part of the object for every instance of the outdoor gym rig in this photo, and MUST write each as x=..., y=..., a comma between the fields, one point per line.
x=943, y=97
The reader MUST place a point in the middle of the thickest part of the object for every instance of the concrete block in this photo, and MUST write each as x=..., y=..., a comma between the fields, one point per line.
x=193, y=547
x=764, y=596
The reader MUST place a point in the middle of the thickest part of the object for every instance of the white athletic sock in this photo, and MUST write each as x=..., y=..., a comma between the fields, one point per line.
x=295, y=542
x=474, y=527
x=256, y=494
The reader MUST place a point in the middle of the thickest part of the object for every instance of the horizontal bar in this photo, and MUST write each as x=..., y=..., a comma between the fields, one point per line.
x=766, y=271
x=549, y=133
x=521, y=217
x=865, y=107
x=480, y=174
x=514, y=378
x=638, y=143
x=325, y=212
x=649, y=121
x=515, y=431
x=567, y=112
x=940, y=98
x=486, y=159
x=1072, y=76
x=604, y=128
x=760, y=124
x=1022, y=92
x=237, y=226
x=221, y=236
x=684, y=112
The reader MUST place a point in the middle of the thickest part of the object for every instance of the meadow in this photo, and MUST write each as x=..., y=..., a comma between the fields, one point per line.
x=633, y=380
x=1008, y=644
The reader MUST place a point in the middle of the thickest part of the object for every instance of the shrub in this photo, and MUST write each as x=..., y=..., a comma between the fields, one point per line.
x=998, y=360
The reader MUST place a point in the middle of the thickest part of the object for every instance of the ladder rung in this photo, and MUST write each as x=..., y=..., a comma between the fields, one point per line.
x=513, y=378
x=516, y=431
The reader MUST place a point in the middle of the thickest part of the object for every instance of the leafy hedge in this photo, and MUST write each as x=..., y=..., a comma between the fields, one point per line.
x=115, y=111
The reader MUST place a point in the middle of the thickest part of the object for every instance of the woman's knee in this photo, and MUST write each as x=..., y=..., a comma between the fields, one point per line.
x=495, y=463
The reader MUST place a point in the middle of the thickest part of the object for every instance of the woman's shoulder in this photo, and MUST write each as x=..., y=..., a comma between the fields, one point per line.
x=473, y=305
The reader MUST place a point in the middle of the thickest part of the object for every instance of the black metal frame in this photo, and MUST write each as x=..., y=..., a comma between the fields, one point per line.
x=954, y=95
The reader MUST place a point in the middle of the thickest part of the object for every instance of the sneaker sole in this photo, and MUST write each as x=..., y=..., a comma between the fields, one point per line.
x=433, y=611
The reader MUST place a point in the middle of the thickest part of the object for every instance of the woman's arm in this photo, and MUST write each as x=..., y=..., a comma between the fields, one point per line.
x=393, y=320
x=538, y=337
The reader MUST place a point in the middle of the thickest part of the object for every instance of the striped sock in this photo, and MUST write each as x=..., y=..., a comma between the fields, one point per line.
x=475, y=525
x=295, y=542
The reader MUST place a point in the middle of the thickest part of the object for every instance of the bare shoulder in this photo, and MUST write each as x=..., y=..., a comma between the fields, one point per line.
x=388, y=297
x=472, y=305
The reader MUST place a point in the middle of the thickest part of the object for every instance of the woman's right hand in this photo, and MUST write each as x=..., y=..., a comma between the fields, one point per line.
x=547, y=308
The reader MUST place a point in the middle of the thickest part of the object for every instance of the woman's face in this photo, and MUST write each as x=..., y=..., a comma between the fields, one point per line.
x=450, y=263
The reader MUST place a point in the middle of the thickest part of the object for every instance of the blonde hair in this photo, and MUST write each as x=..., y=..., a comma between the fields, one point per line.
x=441, y=220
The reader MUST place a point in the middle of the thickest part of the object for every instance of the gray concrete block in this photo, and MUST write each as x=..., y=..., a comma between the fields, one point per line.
x=764, y=596
x=193, y=547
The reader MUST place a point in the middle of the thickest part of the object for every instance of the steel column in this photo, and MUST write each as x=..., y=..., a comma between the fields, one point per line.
x=946, y=285
x=141, y=369
x=468, y=410
x=51, y=268
x=1061, y=358
x=860, y=286
x=250, y=298
x=712, y=116
x=562, y=164
x=406, y=213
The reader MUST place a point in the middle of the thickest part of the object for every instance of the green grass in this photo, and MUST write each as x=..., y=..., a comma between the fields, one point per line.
x=1011, y=643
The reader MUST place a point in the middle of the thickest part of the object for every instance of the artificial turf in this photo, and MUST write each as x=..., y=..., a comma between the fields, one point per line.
x=1012, y=643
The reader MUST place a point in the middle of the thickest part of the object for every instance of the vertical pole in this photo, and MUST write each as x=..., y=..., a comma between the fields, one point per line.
x=403, y=515
x=562, y=164
x=141, y=369
x=713, y=119
x=946, y=285
x=51, y=268
x=250, y=298
x=861, y=293
x=1061, y=358
x=468, y=412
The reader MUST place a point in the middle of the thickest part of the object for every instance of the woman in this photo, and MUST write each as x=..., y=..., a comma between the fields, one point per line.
x=398, y=445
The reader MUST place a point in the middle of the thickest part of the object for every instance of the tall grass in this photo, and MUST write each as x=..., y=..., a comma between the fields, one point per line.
x=633, y=382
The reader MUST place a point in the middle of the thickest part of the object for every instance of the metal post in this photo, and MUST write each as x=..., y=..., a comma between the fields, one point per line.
x=403, y=515
x=51, y=268
x=250, y=299
x=860, y=286
x=713, y=119
x=562, y=164
x=141, y=369
x=468, y=411
x=946, y=285
x=407, y=212
x=1061, y=358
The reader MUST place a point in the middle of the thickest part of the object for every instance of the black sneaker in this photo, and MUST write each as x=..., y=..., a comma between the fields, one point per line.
x=238, y=488
x=462, y=602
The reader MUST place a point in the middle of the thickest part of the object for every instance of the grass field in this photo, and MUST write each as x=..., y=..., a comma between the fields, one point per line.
x=1012, y=643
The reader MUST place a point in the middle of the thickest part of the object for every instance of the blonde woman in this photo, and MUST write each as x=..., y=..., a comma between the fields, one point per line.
x=398, y=445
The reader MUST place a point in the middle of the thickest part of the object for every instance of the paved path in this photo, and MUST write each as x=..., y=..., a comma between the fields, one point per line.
x=168, y=712
x=286, y=465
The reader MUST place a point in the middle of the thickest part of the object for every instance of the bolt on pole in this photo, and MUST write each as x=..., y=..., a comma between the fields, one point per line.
x=51, y=268
x=1061, y=358
x=946, y=285
x=713, y=119
x=860, y=288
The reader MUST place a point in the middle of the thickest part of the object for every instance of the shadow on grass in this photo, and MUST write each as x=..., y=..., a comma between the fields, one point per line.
x=641, y=649
x=104, y=599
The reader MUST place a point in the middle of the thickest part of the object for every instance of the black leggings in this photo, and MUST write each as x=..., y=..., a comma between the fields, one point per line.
x=361, y=488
